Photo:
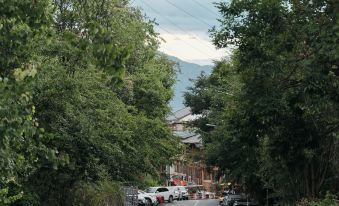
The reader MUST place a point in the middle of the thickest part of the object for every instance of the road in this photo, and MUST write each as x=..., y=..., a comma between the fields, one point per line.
x=193, y=203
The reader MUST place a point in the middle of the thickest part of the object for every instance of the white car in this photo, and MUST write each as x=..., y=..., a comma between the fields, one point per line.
x=183, y=192
x=165, y=192
x=175, y=191
x=146, y=199
x=180, y=192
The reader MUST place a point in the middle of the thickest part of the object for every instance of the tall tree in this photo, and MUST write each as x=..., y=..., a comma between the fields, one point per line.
x=23, y=143
x=22, y=23
x=283, y=128
x=103, y=93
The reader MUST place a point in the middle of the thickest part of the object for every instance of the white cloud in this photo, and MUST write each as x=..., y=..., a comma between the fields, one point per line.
x=192, y=48
x=184, y=25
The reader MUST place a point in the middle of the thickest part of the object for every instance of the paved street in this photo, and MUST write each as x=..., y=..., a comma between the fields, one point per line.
x=193, y=203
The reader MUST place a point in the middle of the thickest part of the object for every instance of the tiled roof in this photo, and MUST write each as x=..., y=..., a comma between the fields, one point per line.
x=196, y=139
x=184, y=134
x=188, y=137
x=179, y=114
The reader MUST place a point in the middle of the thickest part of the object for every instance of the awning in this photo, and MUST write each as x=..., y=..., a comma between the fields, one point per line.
x=178, y=182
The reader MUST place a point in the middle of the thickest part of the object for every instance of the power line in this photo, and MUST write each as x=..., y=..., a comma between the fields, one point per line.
x=203, y=6
x=193, y=47
x=190, y=45
x=183, y=30
x=177, y=26
x=186, y=12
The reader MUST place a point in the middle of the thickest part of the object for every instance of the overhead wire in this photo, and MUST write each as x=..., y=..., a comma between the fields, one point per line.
x=179, y=27
x=189, y=14
x=190, y=45
x=205, y=7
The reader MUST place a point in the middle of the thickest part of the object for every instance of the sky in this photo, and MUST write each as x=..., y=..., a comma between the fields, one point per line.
x=184, y=25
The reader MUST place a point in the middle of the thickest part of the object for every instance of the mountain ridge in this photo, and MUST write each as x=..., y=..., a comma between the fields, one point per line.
x=187, y=71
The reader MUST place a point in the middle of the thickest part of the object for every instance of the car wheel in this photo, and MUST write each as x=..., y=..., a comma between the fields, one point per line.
x=170, y=199
x=148, y=202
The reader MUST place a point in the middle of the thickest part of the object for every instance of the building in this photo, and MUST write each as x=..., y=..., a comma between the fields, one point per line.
x=190, y=168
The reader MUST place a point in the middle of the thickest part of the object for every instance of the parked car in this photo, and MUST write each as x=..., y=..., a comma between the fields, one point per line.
x=175, y=191
x=229, y=200
x=183, y=193
x=244, y=202
x=180, y=192
x=145, y=199
x=165, y=192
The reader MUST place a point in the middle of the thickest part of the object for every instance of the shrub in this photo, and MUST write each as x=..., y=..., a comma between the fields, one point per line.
x=329, y=200
x=102, y=193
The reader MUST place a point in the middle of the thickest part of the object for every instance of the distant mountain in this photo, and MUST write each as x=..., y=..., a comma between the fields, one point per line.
x=187, y=71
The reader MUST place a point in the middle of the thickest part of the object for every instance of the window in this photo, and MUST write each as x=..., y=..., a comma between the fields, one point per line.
x=162, y=190
x=151, y=190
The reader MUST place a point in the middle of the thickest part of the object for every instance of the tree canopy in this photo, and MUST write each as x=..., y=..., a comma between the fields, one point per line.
x=84, y=95
x=275, y=104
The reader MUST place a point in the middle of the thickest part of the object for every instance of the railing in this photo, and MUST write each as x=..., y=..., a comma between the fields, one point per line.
x=131, y=196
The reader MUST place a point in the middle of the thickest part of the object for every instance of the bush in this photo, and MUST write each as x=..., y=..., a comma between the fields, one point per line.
x=148, y=181
x=329, y=200
x=102, y=193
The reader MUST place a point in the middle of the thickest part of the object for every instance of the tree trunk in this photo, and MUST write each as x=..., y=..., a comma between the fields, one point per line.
x=313, y=183
x=306, y=187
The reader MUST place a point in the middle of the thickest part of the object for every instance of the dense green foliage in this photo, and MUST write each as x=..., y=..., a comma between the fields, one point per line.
x=329, y=200
x=23, y=148
x=275, y=105
x=22, y=141
x=101, y=193
x=84, y=95
x=22, y=23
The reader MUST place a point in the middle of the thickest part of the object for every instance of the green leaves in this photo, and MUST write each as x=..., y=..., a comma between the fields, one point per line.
x=152, y=87
x=84, y=96
x=18, y=31
x=279, y=124
x=93, y=127
x=22, y=143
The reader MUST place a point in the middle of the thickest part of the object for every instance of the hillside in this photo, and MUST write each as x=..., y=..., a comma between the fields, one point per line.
x=187, y=72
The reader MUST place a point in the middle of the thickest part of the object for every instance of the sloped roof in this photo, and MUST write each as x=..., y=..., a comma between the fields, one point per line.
x=196, y=139
x=184, y=134
x=183, y=112
x=177, y=115
x=188, y=137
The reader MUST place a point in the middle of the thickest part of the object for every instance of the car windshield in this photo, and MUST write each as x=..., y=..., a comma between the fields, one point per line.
x=151, y=190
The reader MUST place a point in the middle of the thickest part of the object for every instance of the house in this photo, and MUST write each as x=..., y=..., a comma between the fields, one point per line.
x=190, y=169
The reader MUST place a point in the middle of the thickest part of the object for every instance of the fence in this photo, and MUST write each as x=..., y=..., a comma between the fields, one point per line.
x=131, y=196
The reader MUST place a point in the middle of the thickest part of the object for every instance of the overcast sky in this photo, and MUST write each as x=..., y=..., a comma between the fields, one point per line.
x=184, y=25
